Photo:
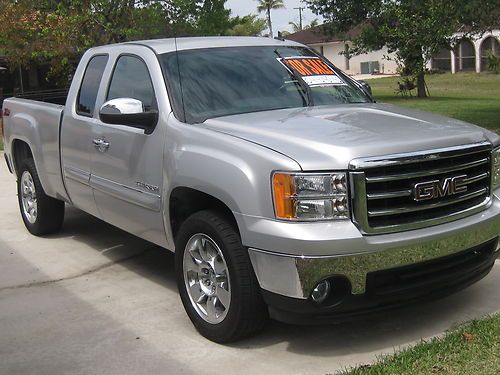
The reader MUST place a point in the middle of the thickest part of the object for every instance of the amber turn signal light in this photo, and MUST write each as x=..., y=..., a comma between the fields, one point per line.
x=283, y=190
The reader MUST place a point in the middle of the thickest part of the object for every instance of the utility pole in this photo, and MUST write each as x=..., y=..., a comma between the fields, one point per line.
x=300, y=9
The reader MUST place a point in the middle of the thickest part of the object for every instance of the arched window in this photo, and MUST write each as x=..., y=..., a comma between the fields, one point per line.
x=489, y=46
x=442, y=60
x=465, y=55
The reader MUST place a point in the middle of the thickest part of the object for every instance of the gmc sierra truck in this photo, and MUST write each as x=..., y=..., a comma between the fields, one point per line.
x=283, y=188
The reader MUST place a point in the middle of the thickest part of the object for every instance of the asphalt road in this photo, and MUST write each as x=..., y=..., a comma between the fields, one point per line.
x=95, y=300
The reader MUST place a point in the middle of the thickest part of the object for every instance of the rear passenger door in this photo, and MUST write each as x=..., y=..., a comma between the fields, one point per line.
x=77, y=132
x=127, y=174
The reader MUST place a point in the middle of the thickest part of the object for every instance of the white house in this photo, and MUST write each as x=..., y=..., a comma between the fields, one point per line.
x=469, y=55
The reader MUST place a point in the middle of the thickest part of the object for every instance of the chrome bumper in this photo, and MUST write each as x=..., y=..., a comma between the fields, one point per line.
x=296, y=275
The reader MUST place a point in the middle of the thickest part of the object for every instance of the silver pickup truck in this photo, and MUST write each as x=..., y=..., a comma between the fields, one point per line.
x=283, y=188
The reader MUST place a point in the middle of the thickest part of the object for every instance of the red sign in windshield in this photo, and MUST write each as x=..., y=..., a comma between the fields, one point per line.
x=308, y=66
x=313, y=70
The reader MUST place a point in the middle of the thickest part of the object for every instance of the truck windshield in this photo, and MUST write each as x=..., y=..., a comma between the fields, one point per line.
x=215, y=82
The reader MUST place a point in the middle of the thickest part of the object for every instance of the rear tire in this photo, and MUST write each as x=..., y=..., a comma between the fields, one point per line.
x=216, y=281
x=41, y=214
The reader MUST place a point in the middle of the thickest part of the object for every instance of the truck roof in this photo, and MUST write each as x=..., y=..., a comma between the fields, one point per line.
x=161, y=46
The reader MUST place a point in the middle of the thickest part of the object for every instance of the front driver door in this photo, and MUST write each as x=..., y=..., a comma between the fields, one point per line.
x=127, y=163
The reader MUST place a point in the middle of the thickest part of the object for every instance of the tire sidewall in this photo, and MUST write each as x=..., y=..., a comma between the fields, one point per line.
x=50, y=211
x=197, y=224
x=28, y=166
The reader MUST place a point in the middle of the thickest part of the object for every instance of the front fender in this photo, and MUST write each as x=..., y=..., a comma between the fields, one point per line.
x=234, y=171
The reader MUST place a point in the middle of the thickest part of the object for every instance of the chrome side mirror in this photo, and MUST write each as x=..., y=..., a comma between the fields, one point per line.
x=129, y=112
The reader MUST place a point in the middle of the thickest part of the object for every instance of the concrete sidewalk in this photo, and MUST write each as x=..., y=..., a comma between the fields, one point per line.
x=94, y=299
x=360, y=77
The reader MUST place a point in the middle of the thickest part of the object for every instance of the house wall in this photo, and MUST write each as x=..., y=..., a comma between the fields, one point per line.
x=457, y=62
x=332, y=52
x=458, y=59
x=385, y=59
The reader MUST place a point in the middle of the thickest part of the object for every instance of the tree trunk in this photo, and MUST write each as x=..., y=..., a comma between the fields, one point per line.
x=421, y=89
x=21, y=83
x=269, y=23
x=33, y=82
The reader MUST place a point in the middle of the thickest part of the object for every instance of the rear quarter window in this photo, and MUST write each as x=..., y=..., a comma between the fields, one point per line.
x=87, y=95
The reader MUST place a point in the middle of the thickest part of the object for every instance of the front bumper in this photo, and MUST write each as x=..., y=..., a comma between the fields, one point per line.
x=421, y=282
x=295, y=274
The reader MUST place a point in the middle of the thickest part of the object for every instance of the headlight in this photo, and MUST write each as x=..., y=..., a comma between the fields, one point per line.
x=309, y=196
x=495, y=180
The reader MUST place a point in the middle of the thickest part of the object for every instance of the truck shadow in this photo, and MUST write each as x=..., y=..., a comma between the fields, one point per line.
x=392, y=329
x=136, y=254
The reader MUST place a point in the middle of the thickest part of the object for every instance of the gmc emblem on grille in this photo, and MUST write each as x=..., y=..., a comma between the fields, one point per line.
x=440, y=188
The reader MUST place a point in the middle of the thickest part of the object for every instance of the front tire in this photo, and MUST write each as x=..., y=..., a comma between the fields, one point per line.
x=41, y=214
x=216, y=282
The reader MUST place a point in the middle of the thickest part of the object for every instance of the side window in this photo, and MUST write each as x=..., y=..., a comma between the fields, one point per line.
x=87, y=95
x=131, y=80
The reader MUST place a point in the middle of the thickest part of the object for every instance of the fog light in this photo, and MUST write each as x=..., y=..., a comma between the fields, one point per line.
x=321, y=291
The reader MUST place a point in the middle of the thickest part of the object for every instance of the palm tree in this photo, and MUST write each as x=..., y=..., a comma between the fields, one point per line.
x=266, y=6
x=314, y=23
x=296, y=26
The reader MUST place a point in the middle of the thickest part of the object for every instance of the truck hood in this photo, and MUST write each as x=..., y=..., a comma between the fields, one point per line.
x=329, y=137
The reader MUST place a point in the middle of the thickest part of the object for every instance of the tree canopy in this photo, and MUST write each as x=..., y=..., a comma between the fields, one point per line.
x=296, y=27
x=249, y=25
x=413, y=29
x=58, y=31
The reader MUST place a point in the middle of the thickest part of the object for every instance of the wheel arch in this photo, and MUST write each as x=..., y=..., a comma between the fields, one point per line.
x=185, y=201
x=21, y=151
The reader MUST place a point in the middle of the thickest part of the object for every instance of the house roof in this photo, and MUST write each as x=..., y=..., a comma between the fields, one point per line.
x=318, y=34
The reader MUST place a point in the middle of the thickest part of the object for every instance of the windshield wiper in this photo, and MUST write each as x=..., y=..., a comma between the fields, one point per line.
x=305, y=87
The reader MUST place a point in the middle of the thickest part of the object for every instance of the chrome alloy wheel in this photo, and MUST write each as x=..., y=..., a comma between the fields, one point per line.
x=28, y=197
x=206, y=278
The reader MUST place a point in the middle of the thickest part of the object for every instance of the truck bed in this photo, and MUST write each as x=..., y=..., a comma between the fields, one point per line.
x=47, y=96
x=37, y=124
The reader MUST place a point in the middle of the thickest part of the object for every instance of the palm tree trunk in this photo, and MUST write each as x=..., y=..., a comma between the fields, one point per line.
x=269, y=23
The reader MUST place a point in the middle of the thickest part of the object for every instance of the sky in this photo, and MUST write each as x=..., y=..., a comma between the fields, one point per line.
x=280, y=17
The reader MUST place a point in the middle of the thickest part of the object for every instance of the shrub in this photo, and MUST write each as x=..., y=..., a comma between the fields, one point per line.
x=493, y=63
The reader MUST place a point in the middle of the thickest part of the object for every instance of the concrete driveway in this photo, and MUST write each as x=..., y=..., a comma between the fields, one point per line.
x=94, y=299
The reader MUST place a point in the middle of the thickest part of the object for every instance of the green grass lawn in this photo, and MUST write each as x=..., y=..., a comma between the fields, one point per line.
x=469, y=97
x=472, y=349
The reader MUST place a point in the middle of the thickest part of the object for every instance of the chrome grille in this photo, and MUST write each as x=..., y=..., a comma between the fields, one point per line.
x=383, y=195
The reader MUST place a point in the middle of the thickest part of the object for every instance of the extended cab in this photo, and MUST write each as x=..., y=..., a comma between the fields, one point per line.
x=280, y=184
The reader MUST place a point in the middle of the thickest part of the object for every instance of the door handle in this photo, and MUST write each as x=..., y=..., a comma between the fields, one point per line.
x=101, y=144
